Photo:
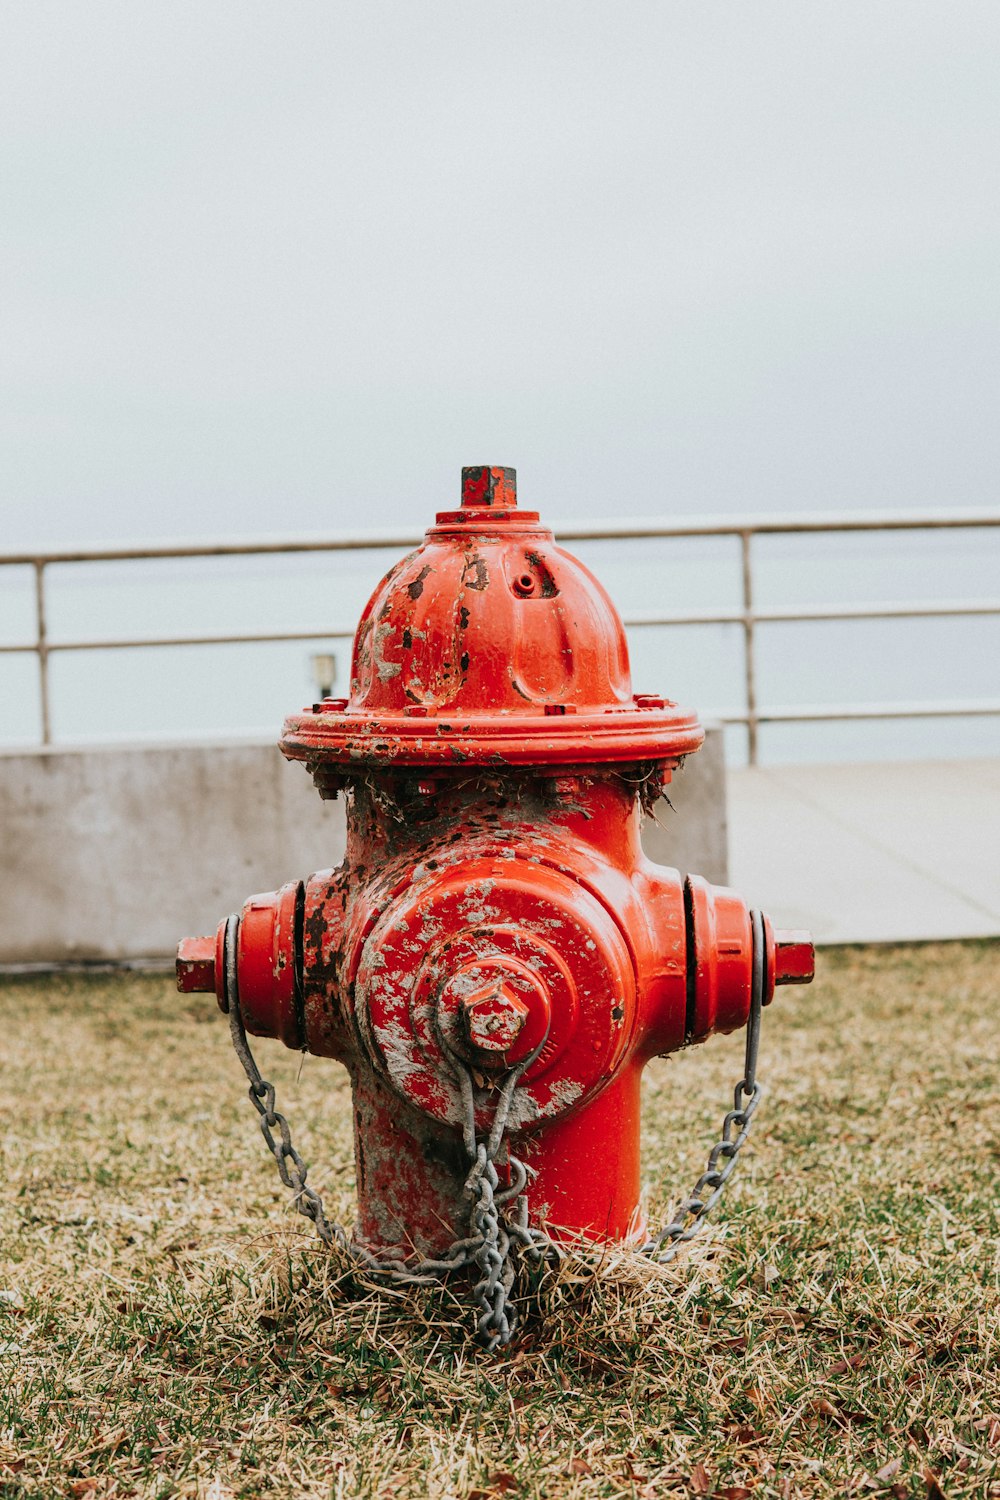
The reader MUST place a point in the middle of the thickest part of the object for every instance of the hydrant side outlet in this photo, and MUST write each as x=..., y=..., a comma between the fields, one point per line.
x=495, y=931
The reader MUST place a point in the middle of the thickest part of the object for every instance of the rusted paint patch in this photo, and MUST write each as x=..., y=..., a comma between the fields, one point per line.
x=476, y=575
x=416, y=588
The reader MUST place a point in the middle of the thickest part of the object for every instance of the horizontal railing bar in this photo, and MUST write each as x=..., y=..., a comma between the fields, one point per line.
x=251, y=639
x=957, y=709
x=887, y=611
x=586, y=531
x=780, y=526
x=804, y=613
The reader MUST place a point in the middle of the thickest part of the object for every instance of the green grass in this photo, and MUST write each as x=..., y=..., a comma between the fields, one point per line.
x=168, y=1328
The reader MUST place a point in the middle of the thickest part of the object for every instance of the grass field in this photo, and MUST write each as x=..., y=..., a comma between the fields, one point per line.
x=169, y=1329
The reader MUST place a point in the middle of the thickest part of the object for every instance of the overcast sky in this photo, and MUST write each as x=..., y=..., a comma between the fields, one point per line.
x=283, y=268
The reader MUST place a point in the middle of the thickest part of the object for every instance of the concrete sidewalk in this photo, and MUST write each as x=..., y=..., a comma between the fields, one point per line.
x=870, y=853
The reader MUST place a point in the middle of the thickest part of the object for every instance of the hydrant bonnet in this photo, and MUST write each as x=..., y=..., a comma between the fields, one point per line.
x=490, y=645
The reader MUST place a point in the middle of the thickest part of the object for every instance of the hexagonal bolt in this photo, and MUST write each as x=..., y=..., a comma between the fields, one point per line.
x=794, y=958
x=486, y=485
x=494, y=1017
x=196, y=965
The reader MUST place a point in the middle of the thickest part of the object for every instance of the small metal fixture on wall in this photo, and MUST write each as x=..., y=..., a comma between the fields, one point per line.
x=324, y=672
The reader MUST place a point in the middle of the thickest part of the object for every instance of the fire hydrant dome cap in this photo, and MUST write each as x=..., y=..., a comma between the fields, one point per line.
x=490, y=644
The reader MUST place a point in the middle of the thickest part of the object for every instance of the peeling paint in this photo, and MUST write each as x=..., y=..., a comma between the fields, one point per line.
x=416, y=588
x=386, y=669
x=476, y=575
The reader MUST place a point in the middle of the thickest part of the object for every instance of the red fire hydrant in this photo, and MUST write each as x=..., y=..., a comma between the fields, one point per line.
x=495, y=944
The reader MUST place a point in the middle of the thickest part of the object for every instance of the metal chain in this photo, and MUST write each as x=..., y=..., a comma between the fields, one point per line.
x=291, y=1167
x=746, y=1096
x=493, y=1228
x=498, y=1218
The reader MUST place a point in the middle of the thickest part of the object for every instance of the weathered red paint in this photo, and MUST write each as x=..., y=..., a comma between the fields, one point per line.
x=196, y=964
x=494, y=898
x=794, y=958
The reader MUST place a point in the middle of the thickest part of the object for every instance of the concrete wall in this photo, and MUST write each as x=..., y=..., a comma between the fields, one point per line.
x=114, y=854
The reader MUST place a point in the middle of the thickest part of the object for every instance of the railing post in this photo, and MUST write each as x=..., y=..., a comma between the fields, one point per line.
x=42, y=647
x=749, y=669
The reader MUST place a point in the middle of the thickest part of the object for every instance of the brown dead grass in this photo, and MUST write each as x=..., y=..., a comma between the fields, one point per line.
x=170, y=1330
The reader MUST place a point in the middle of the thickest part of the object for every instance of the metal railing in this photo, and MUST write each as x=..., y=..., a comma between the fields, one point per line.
x=747, y=615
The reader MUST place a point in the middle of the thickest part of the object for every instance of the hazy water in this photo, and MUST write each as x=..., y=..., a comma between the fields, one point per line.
x=207, y=692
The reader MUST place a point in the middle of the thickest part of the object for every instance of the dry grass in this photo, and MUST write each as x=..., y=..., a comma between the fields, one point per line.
x=170, y=1330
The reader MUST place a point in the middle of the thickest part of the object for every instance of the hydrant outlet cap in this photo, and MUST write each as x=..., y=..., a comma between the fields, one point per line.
x=490, y=645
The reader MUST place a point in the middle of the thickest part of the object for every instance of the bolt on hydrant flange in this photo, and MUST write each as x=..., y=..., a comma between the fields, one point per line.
x=495, y=939
x=494, y=1018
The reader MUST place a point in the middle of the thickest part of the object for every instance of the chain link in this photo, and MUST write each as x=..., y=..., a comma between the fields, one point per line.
x=498, y=1218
